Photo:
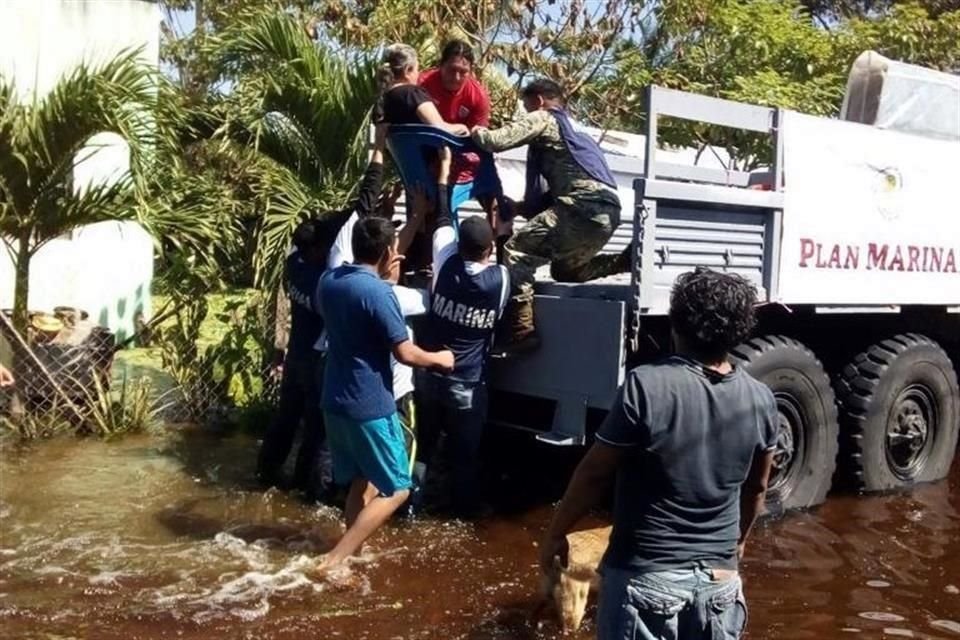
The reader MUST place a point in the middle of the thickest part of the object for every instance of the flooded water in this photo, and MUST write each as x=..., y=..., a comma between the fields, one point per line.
x=162, y=537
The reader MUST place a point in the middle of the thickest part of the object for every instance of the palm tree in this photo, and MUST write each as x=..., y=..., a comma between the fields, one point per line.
x=305, y=119
x=40, y=147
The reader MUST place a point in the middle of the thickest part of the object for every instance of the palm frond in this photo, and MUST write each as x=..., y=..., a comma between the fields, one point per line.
x=97, y=202
x=13, y=166
x=289, y=202
x=116, y=96
x=314, y=104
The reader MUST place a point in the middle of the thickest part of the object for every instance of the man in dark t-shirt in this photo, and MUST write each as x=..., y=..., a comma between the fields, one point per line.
x=690, y=442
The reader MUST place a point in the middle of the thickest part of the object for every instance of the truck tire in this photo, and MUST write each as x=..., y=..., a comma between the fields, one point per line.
x=901, y=414
x=807, y=444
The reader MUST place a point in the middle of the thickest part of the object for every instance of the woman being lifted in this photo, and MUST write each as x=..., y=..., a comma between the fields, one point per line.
x=403, y=100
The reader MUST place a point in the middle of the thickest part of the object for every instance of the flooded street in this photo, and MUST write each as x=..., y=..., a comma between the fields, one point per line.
x=163, y=537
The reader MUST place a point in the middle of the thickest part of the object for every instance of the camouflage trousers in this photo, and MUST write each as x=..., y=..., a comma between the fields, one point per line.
x=569, y=239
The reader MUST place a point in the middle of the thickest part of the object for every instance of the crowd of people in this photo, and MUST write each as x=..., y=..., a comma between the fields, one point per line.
x=689, y=439
x=468, y=298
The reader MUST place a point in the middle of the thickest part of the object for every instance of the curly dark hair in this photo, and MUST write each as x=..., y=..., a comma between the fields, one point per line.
x=712, y=312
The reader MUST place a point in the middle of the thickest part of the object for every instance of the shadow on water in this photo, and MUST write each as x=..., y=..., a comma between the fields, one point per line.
x=184, y=519
x=216, y=457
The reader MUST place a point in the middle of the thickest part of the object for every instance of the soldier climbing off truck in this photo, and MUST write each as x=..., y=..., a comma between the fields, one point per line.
x=566, y=227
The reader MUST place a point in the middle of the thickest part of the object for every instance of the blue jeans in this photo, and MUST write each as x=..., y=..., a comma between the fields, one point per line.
x=460, y=410
x=670, y=605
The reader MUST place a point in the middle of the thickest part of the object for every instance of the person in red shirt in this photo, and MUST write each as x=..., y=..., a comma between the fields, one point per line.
x=460, y=99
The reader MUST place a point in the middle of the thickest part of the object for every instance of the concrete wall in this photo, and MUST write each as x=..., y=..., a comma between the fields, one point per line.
x=104, y=268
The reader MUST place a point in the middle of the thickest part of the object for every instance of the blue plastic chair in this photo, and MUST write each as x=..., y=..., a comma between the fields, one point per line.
x=406, y=143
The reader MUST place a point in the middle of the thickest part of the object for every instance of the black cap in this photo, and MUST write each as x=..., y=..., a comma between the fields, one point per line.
x=476, y=235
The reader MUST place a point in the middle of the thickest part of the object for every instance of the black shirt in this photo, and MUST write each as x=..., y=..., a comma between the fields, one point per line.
x=401, y=102
x=692, y=435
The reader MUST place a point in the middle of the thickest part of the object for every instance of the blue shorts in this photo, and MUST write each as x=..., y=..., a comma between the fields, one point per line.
x=374, y=450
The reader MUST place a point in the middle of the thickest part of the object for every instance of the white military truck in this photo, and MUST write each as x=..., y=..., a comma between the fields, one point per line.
x=852, y=237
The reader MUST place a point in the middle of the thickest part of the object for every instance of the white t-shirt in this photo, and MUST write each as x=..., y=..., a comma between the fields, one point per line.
x=342, y=249
x=413, y=302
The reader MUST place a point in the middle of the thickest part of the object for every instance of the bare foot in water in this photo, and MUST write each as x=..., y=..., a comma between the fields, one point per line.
x=336, y=573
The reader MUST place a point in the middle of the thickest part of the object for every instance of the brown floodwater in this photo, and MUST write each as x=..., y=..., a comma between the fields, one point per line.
x=163, y=537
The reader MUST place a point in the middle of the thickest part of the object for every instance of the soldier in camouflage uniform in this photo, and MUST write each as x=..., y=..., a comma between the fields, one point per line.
x=569, y=226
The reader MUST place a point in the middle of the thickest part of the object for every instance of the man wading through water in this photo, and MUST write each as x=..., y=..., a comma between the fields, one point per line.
x=567, y=226
x=364, y=326
x=690, y=442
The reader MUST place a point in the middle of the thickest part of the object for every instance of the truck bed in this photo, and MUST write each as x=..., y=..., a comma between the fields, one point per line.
x=615, y=287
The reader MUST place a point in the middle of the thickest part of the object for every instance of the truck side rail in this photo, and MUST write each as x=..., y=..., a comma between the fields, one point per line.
x=703, y=189
x=708, y=110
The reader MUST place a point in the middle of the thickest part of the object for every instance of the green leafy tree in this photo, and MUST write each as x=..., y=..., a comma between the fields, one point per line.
x=187, y=52
x=770, y=52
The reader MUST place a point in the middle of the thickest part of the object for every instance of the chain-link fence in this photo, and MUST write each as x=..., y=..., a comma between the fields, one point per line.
x=195, y=366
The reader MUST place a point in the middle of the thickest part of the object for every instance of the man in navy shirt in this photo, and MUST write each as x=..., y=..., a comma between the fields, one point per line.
x=298, y=389
x=364, y=327
x=690, y=442
x=468, y=295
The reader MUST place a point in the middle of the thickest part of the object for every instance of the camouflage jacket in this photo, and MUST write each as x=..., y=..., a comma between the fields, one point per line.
x=568, y=183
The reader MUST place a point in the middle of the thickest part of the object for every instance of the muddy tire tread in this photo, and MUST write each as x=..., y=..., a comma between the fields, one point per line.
x=753, y=349
x=856, y=387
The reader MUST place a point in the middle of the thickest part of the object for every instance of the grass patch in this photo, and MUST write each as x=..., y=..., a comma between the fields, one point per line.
x=218, y=366
x=137, y=362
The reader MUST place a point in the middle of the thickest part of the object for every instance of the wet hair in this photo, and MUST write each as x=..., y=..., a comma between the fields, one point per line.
x=544, y=88
x=457, y=49
x=372, y=237
x=397, y=60
x=712, y=312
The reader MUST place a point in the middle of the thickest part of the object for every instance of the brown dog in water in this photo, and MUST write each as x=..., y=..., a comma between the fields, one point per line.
x=568, y=588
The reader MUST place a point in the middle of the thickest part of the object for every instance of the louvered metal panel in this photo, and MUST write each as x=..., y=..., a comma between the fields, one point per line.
x=685, y=238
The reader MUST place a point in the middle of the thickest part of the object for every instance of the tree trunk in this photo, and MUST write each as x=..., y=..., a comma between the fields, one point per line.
x=21, y=286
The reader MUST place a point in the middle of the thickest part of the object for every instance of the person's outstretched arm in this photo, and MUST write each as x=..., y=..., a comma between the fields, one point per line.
x=623, y=429
x=444, y=235
x=413, y=356
x=365, y=204
x=753, y=493
x=516, y=134
x=428, y=114
x=586, y=490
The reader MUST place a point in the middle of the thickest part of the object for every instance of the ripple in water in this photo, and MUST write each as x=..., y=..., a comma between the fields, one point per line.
x=881, y=616
x=946, y=625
